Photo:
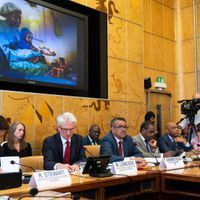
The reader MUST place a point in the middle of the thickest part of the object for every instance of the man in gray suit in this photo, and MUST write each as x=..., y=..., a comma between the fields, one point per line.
x=145, y=141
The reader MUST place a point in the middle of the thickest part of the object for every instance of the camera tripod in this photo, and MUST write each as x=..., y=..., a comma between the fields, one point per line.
x=191, y=126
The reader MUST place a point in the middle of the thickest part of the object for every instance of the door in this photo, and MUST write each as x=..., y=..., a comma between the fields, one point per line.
x=159, y=102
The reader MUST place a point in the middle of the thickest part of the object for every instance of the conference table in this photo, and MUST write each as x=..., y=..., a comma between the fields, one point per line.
x=144, y=183
x=148, y=184
x=181, y=183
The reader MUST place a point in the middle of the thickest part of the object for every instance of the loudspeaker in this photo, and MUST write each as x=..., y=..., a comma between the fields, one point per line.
x=10, y=180
x=147, y=83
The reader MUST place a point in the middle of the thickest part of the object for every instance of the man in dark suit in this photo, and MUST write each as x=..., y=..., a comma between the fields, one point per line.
x=167, y=142
x=64, y=150
x=118, y=144
x=93, y=136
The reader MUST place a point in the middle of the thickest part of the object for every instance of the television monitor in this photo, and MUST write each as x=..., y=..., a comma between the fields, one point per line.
x=97, y=166
x=57, y=47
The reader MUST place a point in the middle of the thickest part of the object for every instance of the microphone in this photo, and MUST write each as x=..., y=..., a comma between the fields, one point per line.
x=157, y=162
x=34, y=191
x=15, y=163
x=26, y=177
x=152, y=154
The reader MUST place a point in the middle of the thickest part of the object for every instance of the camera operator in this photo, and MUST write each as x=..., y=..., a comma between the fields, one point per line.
x=186, y=123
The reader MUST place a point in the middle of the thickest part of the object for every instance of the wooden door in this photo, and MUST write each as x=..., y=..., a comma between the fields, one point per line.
x=160, y=103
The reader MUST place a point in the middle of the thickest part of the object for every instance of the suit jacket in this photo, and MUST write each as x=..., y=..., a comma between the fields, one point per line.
x=165, y=144
x=86, y=141
x=140, y=144
x=109, y=147
x=53, y=150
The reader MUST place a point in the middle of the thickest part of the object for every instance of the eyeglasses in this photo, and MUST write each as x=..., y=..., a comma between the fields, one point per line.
x=121, y=127
x=66, y=129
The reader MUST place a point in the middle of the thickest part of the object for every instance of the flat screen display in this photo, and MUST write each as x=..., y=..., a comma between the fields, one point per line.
x=46, y=46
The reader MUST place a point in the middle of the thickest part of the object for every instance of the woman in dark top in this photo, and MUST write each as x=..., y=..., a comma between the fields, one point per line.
x=16, y=144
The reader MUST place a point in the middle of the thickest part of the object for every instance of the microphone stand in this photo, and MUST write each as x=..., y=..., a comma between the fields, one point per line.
x=157, y=163
x=34, y=191
x=14, y=163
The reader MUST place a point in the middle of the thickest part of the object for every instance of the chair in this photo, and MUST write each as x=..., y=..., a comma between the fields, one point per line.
x=35, y=162
x=92, y=150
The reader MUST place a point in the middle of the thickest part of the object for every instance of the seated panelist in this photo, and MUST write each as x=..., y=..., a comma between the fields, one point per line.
x=169, y=142
x=16, y=144
x=64, y=149
x=93, y=136
x=145, y=141
x=119, y=144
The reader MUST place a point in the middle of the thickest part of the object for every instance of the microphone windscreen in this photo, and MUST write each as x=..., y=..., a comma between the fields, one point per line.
x=76, y=196
x=33, y=191
x=12, y=162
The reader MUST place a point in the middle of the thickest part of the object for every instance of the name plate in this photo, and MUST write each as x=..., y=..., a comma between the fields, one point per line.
x=50, y=179
x=124, y=167
x=172, y=163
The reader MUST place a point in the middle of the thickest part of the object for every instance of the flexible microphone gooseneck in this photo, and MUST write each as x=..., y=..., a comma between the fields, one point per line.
x=157, y=162
x=34, y=191
x=15, y=163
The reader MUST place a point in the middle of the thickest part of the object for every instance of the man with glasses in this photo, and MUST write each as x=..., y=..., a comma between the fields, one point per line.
x=64, y=150
x=119, y=144
x=93, y=136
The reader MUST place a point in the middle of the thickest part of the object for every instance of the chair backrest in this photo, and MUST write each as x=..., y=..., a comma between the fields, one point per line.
x=92, y=150
x=35, y=162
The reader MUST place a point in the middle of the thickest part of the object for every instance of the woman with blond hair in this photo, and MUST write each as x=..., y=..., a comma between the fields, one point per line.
x=16, y=144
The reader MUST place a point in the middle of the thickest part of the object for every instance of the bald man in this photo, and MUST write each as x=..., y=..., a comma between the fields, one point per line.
x=185, y=123
x=168, y=143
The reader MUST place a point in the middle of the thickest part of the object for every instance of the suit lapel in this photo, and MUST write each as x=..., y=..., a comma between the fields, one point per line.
x=115, y=144
x=72, y=148
x=143, y=146
x=59, y=145
x=125, y=147
x=172, y=145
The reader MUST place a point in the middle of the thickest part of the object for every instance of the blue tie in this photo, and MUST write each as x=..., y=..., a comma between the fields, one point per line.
x=147, y=145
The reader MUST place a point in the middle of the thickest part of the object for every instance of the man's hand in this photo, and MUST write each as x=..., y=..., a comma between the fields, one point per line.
x=153, y=143
x=70, y=168
x=168, y=154
x=179, y=139
x=74, y=168
x=141, y=162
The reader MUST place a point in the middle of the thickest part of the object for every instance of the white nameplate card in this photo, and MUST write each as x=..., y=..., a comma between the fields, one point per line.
x=10, y=164
x=124, y=167
x=50, y=179
x=172, y=163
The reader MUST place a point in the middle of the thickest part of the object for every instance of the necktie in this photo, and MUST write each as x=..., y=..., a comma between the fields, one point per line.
x=147, y=145
x=120, y=148
x=67, y=153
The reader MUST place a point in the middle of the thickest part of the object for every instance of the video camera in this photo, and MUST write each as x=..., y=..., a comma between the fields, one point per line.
x=189, y=107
